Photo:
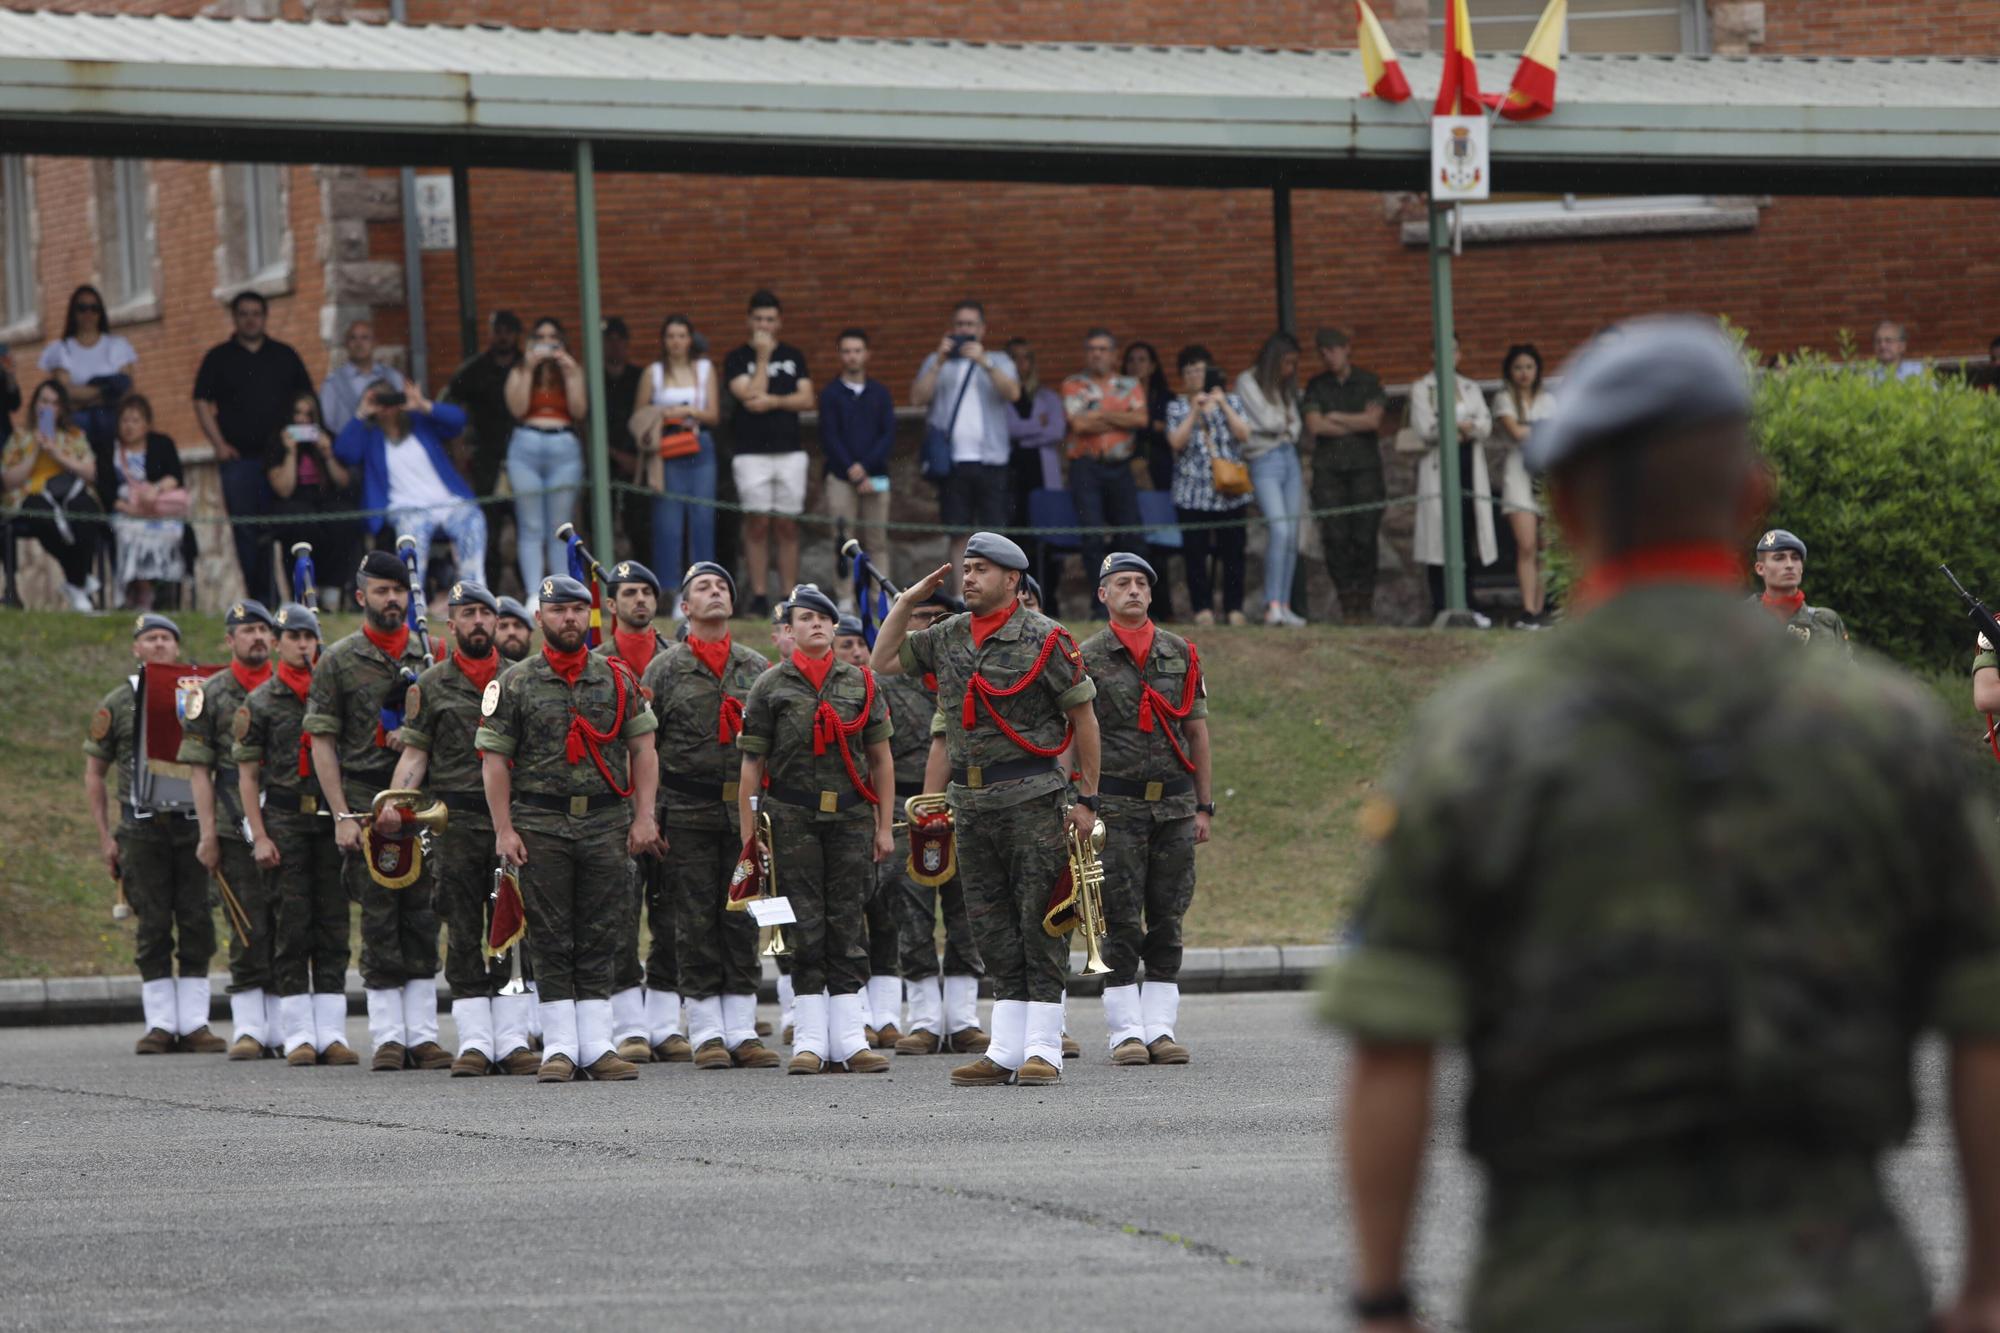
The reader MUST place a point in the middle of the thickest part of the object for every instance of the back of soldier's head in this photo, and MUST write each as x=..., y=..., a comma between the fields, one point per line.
x=1701, y=483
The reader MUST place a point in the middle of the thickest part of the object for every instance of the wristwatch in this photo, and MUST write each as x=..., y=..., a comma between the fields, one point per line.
x=1391, y=1304
x=1090, y=803
x=1204, y=808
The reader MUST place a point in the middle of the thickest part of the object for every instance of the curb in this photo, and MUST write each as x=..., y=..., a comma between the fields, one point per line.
x=61, y=1001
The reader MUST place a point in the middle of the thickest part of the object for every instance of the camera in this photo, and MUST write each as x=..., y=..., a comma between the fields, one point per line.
x=391, y=398
x=1213, y=380
x=958, y=342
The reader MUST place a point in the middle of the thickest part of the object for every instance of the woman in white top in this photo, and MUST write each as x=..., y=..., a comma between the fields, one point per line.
x=679, y=398
x=1475, y=423
x=93, y=364
x=1269, y=392
x=1521, y=402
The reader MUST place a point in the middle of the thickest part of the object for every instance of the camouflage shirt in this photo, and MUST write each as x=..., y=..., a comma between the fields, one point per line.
x=1037, y=713
x=266, y=729
x=912, y=707
x=527, y=712
x=1132, y=754
x=687, y=699
x=1617, y=864
x=350, y=684
x=441, y=717
x=778, y=724
x=206, y=742
x=113, y=736
x=1816, y=627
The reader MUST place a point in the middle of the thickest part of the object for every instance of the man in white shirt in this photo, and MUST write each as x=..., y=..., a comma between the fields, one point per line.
x=340, y=393
x=396, y=442
x=969, y=390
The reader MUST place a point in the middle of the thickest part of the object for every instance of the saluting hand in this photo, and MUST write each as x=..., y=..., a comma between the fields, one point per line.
x=925, y=586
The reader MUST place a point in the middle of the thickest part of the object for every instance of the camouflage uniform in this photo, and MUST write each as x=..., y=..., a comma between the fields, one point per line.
x=647, y=889
x=440, y=717
x=1690, y=1039
x=1148, y=812
x=1817, y=627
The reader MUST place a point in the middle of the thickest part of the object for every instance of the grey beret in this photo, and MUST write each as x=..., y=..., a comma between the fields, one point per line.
x=849, y=625
x=1029, y=585
x=998, y=550
x=700, y=567
x=152, y=620
x=1777, y=539
x=473, y=594
x=382, y=565
x=510, y=609
x=807, y=597
x=560, y=589
x=631, y=571
x=1660, y=371
x=293, y=616
x=249, y=611
x=1118, y=562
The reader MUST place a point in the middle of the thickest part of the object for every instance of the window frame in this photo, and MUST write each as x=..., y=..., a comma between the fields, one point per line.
x=254, y=251
x=20, y=249
x=123, y=206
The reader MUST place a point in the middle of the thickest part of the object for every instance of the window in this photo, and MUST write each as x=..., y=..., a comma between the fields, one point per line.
x=1596, y=27
x=256, y=237
x=19, y=317
x=126, y=259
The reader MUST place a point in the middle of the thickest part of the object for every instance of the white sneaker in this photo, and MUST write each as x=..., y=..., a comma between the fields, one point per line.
x=1274, y=616
x=1480, y=620
x=79, y=600
x=1291, y=617
x=91, y=585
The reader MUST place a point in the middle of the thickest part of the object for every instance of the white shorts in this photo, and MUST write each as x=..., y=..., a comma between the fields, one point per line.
x=770, y=483
x=1517, y=489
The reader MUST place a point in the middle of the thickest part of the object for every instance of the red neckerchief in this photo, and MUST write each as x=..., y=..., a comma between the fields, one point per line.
x=391, y=643
x=568, y=666
x=715, y=656
x=829, y=729
x=479, y=670
x=814, y=669
x=979, y=690
x=1710, y=563
x=635, y=646
x=983, y=626
x=583, y=738
x=251, y=677
x=1786, y=606
x=1138, y=642
x=1152, y=702
x=299, y=680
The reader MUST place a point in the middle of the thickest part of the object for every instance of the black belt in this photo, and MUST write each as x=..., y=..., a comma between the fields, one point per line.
x=296, y=802
x=708, y=791
x=1145, y=791
x=985, y=775
x=826, y=802
x=575, y=806
x=464, y=802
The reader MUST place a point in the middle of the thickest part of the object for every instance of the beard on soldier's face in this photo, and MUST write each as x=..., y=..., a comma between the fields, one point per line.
x=565, y=640
x=475, y=643
x=386, y=617
x=515, y=651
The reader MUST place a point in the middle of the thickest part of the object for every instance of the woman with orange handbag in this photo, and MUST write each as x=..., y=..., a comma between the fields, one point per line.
x=1206, y=428
x=675, y=427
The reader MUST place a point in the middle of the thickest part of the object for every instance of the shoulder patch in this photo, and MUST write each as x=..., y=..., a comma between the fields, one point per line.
x=489, y=702
x=240, y=727
x=413, y=700
x=195, y=703
x=100, y=724
x=1376, y=819
x=645, y=691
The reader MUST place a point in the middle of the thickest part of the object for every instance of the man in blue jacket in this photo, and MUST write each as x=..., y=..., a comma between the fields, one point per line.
x=857, y=430
x=395, y=443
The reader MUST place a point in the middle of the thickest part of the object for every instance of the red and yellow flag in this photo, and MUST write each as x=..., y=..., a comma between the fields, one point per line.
x=1378, y=59
x=1458, y=94
x=1533, y=93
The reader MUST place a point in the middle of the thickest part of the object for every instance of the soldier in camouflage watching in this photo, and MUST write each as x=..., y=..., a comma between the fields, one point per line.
x=882, y=997
x=514, y=634
x=292, y=841
x=223, y=850
x=1152, y=717
x=698, y=688
x=152, y=856
x=1014, y=695
x=817, y=725
x=1781, y=565
x=577, y=802
x=1687, y=957
x=355, y=710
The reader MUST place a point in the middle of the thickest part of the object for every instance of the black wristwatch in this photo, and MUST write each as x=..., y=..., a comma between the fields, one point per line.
x=1391, y=1304
x=1090, y=803
x=1204, y=808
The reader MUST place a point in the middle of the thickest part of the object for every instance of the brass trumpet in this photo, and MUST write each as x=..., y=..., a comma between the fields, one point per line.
x=1086, y=868
x=397, y=862
x=775, y=945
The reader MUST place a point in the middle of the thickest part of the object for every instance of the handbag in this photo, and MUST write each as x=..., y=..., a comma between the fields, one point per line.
x=936, y=459
x=679, y=442
x=1230, y=477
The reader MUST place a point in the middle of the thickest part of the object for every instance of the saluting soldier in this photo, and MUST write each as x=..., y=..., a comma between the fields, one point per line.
x=1781, y=565
x=1152, y=721
x=514, y=634
x=1014, y=695
x=698, y=689
x=440, y=718
x=575, y=805
x=292, y=840
x=882, y=997
x=821, y=731
x=355, y=709
x=648, y=999
x=1687, y=959
x=152, y=856
x=223, y=848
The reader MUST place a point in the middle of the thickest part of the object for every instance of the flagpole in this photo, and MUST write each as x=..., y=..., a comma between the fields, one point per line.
x=1451, y=482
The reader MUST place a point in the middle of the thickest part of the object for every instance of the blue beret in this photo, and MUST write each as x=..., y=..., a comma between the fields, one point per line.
x=849, y=625
x=293, y=616
x=152, y=620
x=1666, y=370
x=1777, y=539
x=631, y=571
x=1119, y=562
x=562, y=590
x=473, y=594
x=995, y=549
x=249, y=611
x=701, y=567
x=510, y=609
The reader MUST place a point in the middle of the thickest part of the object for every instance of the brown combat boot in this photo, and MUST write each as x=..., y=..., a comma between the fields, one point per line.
x=1071, y=1051
x=339, y=1054
x=969, y=1041
x=557, y=1069
x=753, y=1054
x=805, y=1062
x=1037, y=1072
x=712, y=1054
x=785, y=1037
x=302, y=1057
x=870, y=1035
x=246, y=1048
x=1131, y=1051
x=763, y=1027
x=157, y=1041
x=429, y=1055
x=886, y=1037
x=390, y=1057
x=867, y=1062
x=471, y=1065
x=674, y=1050
x=520, y=1060
x=981, y=1073
x=635, y=1050
x=1167, y=1051
x=202, y=1042
x=608, y=1068
x=920, y=1042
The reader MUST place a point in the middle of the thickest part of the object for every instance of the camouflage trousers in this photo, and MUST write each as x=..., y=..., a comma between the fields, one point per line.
x=250, y=953
x=881, y=916
x=917, y=907
x=717, y=947
x=1771, y=1241
x=578, y=892
x=312, y=946
x=662, y=970
x=1008, y=860
x=827, y=870
x=167, y=891
x=399, y=927
x=1148, y=885
x=462, y=865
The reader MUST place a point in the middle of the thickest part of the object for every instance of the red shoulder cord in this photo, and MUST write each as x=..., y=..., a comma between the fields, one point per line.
x=828, y=729
x=1152, y=701
x=979, y=690
x=1993, y=736
x=584, y=737
x=729, y=720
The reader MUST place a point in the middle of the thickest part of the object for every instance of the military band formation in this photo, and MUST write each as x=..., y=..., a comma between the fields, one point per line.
x=973, y=765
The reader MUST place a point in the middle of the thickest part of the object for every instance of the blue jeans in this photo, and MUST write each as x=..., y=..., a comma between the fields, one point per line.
x=1281, y=495
x=1105, y=495
x=674, y=520
x=246, y=491
x=544, y=468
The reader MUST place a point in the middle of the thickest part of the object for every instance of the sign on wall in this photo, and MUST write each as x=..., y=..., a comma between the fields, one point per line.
x=1459, y=166
x=437, y=226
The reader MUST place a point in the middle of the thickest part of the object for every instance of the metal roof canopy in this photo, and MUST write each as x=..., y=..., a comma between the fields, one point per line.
x=385, y=94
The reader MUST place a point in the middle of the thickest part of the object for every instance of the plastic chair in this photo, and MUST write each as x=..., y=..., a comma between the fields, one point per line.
x=1156, y=511
x=1055, y=510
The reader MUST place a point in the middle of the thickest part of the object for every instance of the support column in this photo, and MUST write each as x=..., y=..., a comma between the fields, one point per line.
x=1281, y=244
x=418, y=352
x=593, y=348
x=1452, y=484
x=468, y=292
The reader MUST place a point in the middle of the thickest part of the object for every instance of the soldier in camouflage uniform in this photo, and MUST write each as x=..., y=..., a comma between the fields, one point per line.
x=1152, y=718
x=292, y=840
x=514, y=634
x=356, y=707
x=1687, y=957
x=152, y=856
x=816, y=725
x=1781, y=565
x=882, y=997
x=781, y=651
x=577, y=802
x=1013, y=692
x=698, y=688
x=223, y=849
x=440, y=718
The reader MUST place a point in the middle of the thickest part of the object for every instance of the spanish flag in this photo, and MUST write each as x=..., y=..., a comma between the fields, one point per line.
x=1378, y=60
x=1459, y=95
x=1533, y=94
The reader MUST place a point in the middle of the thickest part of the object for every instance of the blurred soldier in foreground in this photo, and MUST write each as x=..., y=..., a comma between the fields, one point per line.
x=1687, y=957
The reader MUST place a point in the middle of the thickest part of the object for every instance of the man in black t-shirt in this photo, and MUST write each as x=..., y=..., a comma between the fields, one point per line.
x=243, y=397
x=771, y=386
